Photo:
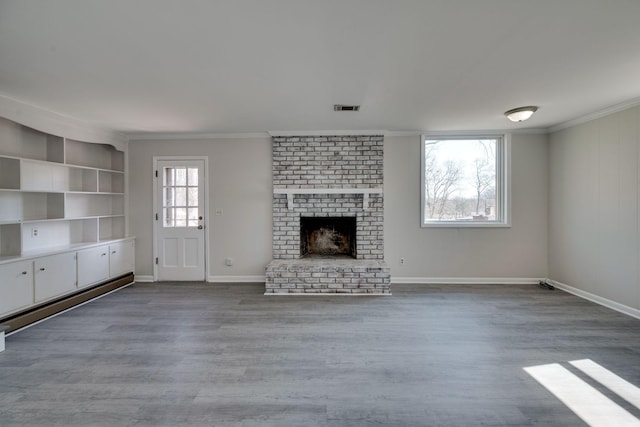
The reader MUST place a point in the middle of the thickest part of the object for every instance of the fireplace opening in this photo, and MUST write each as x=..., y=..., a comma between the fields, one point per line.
x=328, y=237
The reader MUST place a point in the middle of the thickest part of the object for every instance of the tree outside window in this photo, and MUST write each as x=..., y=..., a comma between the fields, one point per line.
x=463, y=181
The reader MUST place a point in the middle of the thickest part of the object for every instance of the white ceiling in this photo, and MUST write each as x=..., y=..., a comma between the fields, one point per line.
x=219, y=66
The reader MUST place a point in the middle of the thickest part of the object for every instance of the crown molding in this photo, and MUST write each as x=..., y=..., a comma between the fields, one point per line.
x=157, y=136
x=401, y=133
x=54, y=123
x=596, y=115
x=289, y=133
x=524, y=131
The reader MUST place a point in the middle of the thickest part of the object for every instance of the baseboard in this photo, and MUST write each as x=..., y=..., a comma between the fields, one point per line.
x=394, y=279
x=216, y=279
x=236, y=279
x=465, y=280
x=621, y=308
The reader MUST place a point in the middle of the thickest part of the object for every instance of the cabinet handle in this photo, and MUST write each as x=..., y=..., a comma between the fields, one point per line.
x=24, y=272
x=113, y=252
x=103, y=254
x=41, y=268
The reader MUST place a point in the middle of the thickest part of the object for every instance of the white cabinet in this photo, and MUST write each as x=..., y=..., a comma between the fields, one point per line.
x=16, y=286
x=121, y=258
x=93, y=265
x=39, y=279
x=54, y=275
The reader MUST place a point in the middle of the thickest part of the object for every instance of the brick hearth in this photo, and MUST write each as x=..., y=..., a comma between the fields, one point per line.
x=342, y=276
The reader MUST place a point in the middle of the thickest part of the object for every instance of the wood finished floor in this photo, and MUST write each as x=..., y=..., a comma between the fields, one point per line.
x=192, y=354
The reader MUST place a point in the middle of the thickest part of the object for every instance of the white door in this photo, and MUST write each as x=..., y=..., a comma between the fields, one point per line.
x=180, y=235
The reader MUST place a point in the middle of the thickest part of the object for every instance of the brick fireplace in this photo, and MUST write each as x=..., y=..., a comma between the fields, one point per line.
x=328, y=212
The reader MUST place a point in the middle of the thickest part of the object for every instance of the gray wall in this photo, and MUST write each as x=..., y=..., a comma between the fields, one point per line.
x=240, y=175
x=519, y=251
x=240, y=185
x=594, y=230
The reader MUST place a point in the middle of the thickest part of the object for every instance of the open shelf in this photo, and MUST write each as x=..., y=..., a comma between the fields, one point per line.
x=110, y=182
x=83, y=231
x=111, y=228
x=81, y=179
x=22, y=141
x=42, y=206
x=99, y=156
x=9, y=173
x=10, y=240
x=10, y=206
x=40, y=176
x=88, y=205
x=38, y=236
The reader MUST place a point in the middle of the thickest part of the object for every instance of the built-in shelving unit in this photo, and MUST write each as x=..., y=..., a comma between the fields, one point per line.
x=57, y=192
x=62, y=223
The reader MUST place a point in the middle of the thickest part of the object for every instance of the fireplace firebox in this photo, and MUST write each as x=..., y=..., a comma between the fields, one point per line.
x=328, y=237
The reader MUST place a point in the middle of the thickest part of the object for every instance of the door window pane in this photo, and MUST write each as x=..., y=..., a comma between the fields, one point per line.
x=169, y=198
x=181, y=196
x=169, y=217
x=169, y=176
x=181, y=176
x=193, y=196
x=180, y=190
x=193, y=176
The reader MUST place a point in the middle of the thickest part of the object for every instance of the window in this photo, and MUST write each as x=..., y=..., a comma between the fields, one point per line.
x=465, y=181
x=180, y=201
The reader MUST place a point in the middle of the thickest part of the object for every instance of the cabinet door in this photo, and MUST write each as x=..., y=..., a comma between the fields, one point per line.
x=54, y=275
x=16, y=286
x=120, y=258
x=93, y=265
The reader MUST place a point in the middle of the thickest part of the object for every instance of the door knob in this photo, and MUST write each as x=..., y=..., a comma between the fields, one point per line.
x=200, y=227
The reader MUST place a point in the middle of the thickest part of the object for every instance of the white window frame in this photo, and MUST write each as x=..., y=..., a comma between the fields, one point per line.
x=503, y=180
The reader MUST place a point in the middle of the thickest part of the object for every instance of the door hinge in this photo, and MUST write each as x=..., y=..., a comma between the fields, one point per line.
x=156, y=174
x=156, y=217
x=156, y=260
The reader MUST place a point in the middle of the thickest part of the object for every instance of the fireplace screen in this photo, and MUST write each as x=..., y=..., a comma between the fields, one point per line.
x=328, y=236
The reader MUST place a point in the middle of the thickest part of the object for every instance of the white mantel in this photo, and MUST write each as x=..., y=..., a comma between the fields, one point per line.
x=290, y=192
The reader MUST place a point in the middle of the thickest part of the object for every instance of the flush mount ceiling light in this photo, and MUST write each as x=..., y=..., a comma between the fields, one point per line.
x=341, y=107
x=520, y=114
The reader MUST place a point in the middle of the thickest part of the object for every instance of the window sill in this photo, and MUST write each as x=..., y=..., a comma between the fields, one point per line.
x=469, y=224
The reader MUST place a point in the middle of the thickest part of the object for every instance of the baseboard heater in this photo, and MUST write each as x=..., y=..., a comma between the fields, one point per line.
x=34, y=314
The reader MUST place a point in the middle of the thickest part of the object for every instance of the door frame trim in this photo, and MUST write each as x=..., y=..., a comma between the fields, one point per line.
x=205, y=188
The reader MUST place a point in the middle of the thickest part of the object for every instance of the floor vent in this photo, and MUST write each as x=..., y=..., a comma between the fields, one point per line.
x=340, y=107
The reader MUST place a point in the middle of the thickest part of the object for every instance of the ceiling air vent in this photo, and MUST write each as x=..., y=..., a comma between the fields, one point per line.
x=340, y=107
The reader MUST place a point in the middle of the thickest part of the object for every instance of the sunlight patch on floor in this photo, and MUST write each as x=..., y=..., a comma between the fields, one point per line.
x=584, y=400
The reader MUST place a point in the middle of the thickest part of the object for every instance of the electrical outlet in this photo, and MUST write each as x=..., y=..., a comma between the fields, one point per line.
x=228, y=262
x=402, y=261
x=219, y=212
x=34, y=232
